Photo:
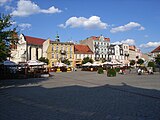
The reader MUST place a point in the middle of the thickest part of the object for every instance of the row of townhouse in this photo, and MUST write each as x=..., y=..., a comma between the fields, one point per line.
x=97, y=48
x=104, y=50
x=31, y=48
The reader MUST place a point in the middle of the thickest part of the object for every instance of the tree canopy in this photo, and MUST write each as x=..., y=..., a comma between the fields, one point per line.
x=66, y=61
x=87, y=59
x=157, y=59
x=140, y=61
x=7, y=36
x=151, y=64
x=132, y=62
x=43, y=59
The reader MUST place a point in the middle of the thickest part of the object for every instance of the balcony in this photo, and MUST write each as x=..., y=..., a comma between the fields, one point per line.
x=63, y=52
x=97, y=52
x=96, y=45
x=126, y=54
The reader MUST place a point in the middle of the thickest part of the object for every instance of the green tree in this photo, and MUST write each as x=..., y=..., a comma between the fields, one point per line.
x=66, y=61
x=43, y=59
x=7, y=36
x=87, y=59
x=132, y=62
x=157, y=59
x=151, y=64
x=140, y=61
x=103, y=60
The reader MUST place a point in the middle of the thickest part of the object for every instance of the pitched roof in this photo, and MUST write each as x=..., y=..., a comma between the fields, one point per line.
x=156, y=50
x=34, y=41
x=82, y=49
x=132, y=48
x=97, y=38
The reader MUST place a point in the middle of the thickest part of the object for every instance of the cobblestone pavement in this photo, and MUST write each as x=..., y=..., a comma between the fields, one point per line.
x=81, y=96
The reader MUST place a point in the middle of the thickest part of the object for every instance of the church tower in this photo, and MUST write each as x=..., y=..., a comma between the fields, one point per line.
x=57, y=39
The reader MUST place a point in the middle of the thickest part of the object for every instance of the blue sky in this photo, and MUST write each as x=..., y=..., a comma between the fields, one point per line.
x=135, y=22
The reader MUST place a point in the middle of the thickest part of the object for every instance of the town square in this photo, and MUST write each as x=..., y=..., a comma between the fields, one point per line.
x=82, y=95
x=79, y=60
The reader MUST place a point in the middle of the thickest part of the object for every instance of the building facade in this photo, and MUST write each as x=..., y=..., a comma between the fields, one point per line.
x=81, y=51
x=59, y=51
x=134, y=53
x=155, y=52
x=99, y=46
x=119, y=53
x=28, y=48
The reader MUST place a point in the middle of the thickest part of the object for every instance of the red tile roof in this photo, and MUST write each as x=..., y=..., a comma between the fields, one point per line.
x=97, y=38
x=132, y=48
x=82, y=49
x=156, y=50
x=34, y=41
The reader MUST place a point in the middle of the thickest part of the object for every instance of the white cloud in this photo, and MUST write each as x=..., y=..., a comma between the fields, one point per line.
x=51, y=10
x=150, y=44
x=129, y=26
x=141, y=28
x=13, y=22
x=9, y=8
x=127, y=41
x=93, y=22
x=24, y=26
x=2, y=2
x=27, y=7
x=146, y=36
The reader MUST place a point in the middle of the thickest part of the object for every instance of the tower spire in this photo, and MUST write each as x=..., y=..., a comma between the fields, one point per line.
x=57, y=38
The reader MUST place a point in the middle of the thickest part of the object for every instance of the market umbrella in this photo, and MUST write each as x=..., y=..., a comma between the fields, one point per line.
x=9, y=63
x=35, y=63
x=87, y=64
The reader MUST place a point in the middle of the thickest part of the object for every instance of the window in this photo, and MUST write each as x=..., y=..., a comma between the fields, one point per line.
x=52, y=48
x=36, y=53
x=57, y=48
x=66, y=48
x=57, y=56
x=117, y=51
x=52, y=63
x=52, y=55
x=70, y=55
x=71, y=48
x=30, y=52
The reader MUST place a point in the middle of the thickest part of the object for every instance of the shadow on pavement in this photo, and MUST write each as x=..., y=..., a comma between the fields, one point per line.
x=80, y=103
x=18, y=82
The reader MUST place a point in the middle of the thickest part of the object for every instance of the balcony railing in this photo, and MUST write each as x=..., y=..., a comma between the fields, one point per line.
x=63, y=52
x=96, y=45
x=126, y=54
x=97, y=52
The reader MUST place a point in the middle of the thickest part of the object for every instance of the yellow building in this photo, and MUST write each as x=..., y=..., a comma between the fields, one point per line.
x=59, y=51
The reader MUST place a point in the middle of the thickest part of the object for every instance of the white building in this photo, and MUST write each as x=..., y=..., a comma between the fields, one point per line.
x=80, y=52
x=134, y=53
x=99, y=46
x=156, y=51
x=28, y=48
